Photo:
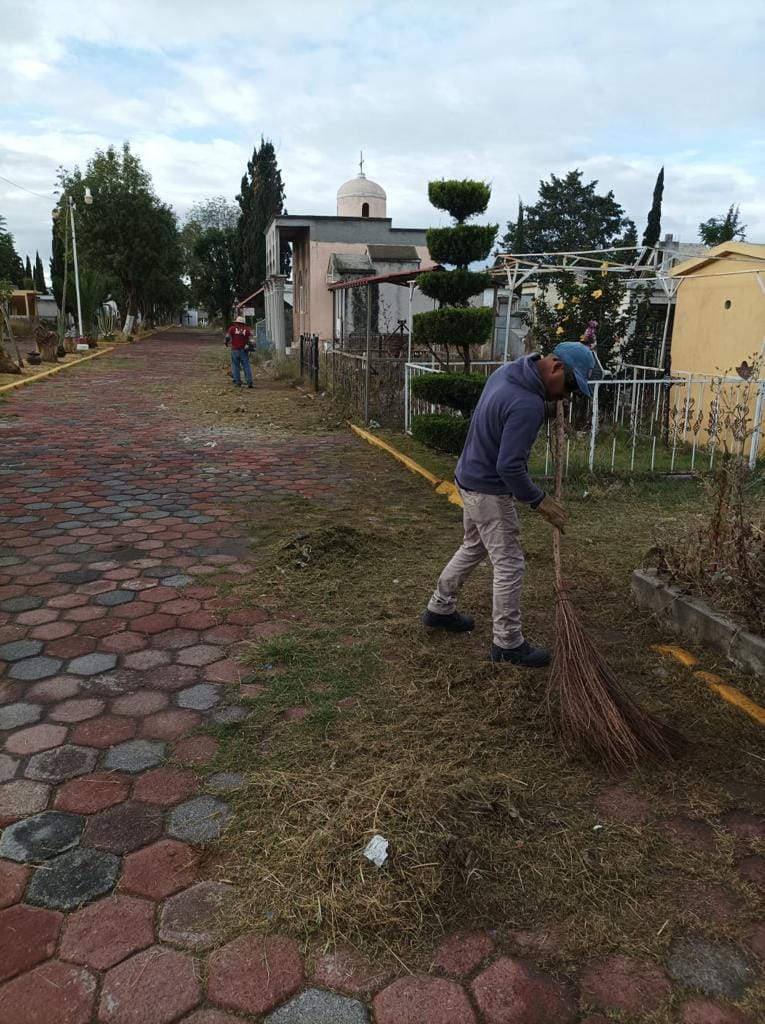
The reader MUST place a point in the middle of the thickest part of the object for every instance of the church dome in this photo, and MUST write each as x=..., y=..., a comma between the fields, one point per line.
x=361, y=197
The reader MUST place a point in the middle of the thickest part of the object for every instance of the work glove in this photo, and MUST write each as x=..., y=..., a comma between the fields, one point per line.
x=553, y=512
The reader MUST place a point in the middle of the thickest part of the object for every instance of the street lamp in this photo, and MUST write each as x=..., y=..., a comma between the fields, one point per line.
x=71, y=204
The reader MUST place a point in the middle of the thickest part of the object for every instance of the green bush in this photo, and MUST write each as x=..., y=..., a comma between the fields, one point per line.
x=461, y=199
x=459, y=391
x=444, y=433
x=462, y=244
x=453, y=326
x=453, y=287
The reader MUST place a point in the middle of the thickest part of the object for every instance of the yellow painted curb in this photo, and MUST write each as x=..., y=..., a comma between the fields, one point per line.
x=444, y=487
x=715, y=683
x=55, y=369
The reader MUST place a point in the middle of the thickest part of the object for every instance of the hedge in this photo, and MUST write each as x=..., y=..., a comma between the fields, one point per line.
x=453, y=326
x=444, y=433
x=459, y=391
x=461, y=245
x=453, y=287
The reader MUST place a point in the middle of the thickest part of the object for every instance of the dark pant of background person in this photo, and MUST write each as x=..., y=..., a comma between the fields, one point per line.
x=240, y=360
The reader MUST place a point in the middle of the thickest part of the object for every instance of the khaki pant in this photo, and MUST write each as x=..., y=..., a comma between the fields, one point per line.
x=491, y=529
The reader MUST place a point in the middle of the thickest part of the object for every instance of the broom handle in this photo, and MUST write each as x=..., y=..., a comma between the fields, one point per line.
x=559, y=447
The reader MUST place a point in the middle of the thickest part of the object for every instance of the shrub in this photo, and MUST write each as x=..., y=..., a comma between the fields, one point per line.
x=453, y=325
x=453, y=287
x=462, y=199
x=444, y=433
x=461, y=244
x=459, y=391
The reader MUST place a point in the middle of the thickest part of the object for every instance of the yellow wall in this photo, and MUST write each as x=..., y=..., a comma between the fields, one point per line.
x=708, y=338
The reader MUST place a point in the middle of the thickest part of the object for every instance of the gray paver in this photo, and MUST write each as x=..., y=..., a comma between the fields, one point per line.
x=224, y=782
x=230, y=714
x=21, y=604
x=41, y=837
x=79, y=575
x=19, y=649
x=92, y=664
x=21, y=798
x=199, y=820
x=73, y=879
x=63, y=762
x=31, y=669
x=112, y=598
x=716, y=968
x=135, y=756
x=313, y=1006
x=202, y=519
x=201, y=697
x=161, y=572
x=12, y=716
x=8, y=766
x=180, y=580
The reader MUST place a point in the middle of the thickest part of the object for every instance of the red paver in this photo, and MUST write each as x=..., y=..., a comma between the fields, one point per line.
x=154, y=623
x=71, y=647
x=461, y=953
x=92, y=793
x=170, y=725
x=104, y=732
x=159, y=870
x=197, y=620
x=142, y=702
x=13, y=880
x=247, y=616
x=619, y=804
x=745, y=825
x=755, y=938
x=54, y=689
x=254, y=973
x=156, y=985
x=28, y=936
x=345, y=971
x=101, y=935
x=123, y=643
x=196, y=749
x=621, y=983
x=53, y=630
x=123, y=827
x=199, y=655
x=224, y=671
x=509, y=992
x=55, y=992
x=77, y=710
x=423, y=1001
x=142, y=660
x=700, y=1011
x=165, y=786
x=35, y=739
x=752, y=869
x=213, y=1017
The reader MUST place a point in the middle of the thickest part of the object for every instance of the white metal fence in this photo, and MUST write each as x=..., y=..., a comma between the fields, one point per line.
x=643, y=421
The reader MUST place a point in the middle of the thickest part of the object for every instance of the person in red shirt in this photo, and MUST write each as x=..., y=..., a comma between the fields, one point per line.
x=239, y=336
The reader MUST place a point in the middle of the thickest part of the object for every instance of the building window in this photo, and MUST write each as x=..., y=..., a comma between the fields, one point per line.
x=728, y=303
x=365, y=209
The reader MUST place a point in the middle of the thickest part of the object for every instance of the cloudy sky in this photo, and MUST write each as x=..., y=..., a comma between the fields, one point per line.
x=507, y=92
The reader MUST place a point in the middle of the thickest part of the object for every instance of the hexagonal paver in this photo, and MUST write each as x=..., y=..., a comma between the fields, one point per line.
x=157, y=985
x=424, y=1000
x=136, y=756
x=13, y=716
x=8, y=767
x=41, y=837
x=159, y=870
x=621, y=983
x=35, y=739
x=171, y=724
x=92, y=664
x=28, y=936
x=224, y=782
x=124, y=827
x=199, y=820
x=31, y=669
x=77, y=710
x=141, y=702
x=13, y=880
x=462, y=952
x=101, y=935
x=143, y=661
x=21, y=798
x=196, y=749
x=701, y=1011
x=201, y=697
x=153, y=623
x=92, y=793
x=192, y=917
x=106, y=731
x=234, y=713
x=113, y=598
x=316, y=1007
x=18, y=649
x=54, y=991
x=509, y=992
x=165, y=786
x=254, y=974
x=62, y=763
x=715, y=968
x=344, y=970
x=21, y=604
x=176, y=639
x=213, y=1017
x=73, y=879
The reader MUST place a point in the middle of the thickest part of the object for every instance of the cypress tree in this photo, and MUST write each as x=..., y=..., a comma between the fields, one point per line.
x=39, y=274
x=653, y=225
x=261, y=198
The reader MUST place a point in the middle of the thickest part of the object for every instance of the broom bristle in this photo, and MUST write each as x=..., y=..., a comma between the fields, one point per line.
x=592, y=709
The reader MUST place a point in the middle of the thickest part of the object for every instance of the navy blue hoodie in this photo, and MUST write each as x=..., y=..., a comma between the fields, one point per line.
x=504, y=426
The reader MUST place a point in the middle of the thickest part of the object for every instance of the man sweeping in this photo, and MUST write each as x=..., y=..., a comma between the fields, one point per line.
x=491, y=474
x=239, y=336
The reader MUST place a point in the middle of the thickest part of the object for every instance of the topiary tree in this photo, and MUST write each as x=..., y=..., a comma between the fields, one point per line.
x=456, y=324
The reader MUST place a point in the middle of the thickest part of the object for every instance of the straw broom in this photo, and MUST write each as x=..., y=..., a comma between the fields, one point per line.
x=591, y=709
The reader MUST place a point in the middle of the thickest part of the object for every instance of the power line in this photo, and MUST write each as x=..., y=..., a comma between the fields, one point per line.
x=25, y=189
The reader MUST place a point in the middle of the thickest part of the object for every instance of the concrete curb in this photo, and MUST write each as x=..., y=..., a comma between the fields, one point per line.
x=695, y=620
x=444, y=487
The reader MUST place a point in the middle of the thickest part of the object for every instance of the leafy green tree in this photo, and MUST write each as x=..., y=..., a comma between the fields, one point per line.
x=717, y=230
x=215, y=287
x=456, y=324
x=39, y=274
x=11, y=266
x=215, y=213
x=261, y=198
x=128, y=234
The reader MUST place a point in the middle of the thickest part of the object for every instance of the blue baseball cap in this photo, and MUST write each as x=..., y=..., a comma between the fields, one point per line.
x=580, y=360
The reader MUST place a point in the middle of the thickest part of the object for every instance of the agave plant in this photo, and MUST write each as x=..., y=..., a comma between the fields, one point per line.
x=94, y=289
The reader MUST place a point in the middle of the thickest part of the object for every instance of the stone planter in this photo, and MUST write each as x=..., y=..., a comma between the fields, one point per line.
x=692, y=618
